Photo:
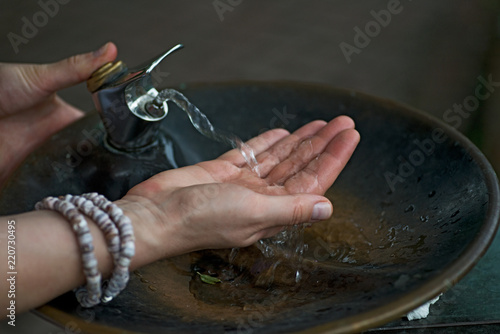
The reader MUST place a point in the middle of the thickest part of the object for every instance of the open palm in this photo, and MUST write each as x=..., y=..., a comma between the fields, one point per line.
x=223, y=203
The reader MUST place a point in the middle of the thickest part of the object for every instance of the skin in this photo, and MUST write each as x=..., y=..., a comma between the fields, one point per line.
x=208, y=205
x=31, y=111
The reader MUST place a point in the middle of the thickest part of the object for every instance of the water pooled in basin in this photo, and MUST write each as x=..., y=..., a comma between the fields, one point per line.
x=342, y=259
x=288, y=243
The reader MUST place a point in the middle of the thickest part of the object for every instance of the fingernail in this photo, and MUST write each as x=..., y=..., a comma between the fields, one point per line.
x=100, y=51
x=321, y=211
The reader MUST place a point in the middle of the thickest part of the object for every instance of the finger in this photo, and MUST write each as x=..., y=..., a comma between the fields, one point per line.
x=307, y=150
x=73, y=70
x=277, y=153
x=320, y=173
x=279, y=211
x=258, y=144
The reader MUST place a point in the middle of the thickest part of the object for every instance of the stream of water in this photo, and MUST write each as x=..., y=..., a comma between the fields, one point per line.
x=290, y=242
x=201, y=123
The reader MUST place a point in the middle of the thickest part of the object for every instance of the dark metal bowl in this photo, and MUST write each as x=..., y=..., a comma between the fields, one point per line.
x=421, y=195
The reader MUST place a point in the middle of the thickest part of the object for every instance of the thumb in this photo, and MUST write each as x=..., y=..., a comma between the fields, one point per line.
x=75, y=69
x=296, y=209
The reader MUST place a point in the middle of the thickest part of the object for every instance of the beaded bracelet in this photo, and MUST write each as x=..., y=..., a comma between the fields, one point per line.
x=91, y=295
x=120, y=276
x=119, y=237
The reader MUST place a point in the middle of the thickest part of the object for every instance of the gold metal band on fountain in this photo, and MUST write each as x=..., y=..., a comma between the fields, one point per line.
x=100, y=76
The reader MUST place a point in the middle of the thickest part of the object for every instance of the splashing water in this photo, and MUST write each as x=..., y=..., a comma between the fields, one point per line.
x=289, y=243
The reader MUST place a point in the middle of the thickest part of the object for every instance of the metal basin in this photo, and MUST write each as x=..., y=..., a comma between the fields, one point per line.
x=415, y=209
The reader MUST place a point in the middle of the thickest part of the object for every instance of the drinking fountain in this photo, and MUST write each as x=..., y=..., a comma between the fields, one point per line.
x=404, y=229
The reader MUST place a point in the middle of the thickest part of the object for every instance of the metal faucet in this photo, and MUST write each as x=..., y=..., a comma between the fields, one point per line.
x=124, y=100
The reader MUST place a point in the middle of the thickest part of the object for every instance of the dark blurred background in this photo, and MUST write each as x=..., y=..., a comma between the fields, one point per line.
x=428, y=54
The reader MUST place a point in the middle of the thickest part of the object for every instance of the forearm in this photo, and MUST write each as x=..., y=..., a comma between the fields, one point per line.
x=48, y=261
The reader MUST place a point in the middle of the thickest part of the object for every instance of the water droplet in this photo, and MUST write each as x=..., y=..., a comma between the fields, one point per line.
x=410, y=208
x=424, y=219
x=298, y=276
x=233, y=254
x=432, y=193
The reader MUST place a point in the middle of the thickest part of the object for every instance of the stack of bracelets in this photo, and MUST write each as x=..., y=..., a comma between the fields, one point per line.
x=119, y=235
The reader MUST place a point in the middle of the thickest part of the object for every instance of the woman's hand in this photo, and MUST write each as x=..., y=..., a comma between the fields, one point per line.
x=223, y=203
x=30, y=110
x=214, y=204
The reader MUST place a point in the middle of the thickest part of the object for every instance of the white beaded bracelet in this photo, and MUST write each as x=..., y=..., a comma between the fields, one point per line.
x=91, y=294
x=119, y=237
x=120, y=276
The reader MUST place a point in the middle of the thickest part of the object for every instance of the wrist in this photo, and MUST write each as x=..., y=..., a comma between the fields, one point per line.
x=153, y=233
